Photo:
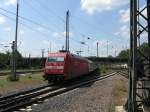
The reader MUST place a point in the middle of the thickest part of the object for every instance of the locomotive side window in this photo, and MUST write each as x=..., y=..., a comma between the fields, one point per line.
x=60, y=59
x=55, y=59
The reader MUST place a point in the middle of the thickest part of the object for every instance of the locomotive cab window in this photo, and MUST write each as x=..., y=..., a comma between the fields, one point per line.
x=55, y=59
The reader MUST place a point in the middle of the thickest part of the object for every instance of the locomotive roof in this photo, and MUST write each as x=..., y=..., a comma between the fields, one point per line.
x=63, y=54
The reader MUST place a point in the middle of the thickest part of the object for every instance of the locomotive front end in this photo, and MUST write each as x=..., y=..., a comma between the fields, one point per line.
x=54, y=67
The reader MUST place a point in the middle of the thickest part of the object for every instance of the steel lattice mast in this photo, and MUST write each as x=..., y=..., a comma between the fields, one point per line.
x=139, y=71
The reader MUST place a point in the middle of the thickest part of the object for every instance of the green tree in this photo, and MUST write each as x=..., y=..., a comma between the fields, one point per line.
x=124, y=54
x=110, y=56
x=144, y=49
x=4, y=60
x=19, y=59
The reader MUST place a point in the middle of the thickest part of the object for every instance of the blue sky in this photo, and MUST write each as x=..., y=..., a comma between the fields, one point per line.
x=104, y=21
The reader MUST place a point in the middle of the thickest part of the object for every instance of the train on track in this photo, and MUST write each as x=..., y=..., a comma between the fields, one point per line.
x=62, y=66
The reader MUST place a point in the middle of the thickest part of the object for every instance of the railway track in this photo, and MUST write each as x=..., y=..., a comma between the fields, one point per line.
x=123, y=73
x=23, y=99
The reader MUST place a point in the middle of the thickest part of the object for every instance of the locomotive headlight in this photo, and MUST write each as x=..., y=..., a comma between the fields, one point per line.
x=60, y=67
x=55, y=67
x=49, y=67
x=61, y=70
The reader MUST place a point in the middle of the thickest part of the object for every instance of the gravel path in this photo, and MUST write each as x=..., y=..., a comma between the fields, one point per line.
x=96, y=97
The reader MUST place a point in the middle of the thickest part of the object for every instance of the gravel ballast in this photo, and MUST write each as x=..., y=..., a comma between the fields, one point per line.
x=95, y=97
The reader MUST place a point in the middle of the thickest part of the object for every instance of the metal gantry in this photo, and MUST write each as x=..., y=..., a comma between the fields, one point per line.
x=139, y=71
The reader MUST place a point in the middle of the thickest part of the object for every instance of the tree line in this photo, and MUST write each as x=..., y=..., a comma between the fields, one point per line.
x=38, y=63
x=143, y=49
x=22, y=62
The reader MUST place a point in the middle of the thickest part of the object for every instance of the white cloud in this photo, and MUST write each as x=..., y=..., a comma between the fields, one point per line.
x=91, y=6
x=124, y=32
x=125, y=15
x=10, y=2
x=2, y=20
x=60, y=34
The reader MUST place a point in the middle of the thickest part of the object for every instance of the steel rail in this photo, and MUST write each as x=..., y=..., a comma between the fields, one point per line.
x=123, y=74
x=23, y=92
x=26, y=97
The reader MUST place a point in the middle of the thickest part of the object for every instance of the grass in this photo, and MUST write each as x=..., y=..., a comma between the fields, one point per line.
x=119, y=93
x=119, y=89
x=3, y=83
x=24, y=81
x=111, y=107
x=104, y=69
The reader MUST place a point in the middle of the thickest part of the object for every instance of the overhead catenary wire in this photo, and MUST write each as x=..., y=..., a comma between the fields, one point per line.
x=50, y=10
x=26, y=19
x=33, y=22
x=88, y=24
x=47, y=9
x=31, y=28
x=27, y=26
x=45, y=17
x=56, y=16
x=38, y=24
x=91, y=25
x=60, y=18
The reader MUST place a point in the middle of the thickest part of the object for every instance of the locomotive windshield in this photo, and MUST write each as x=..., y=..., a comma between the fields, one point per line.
x=55, y=59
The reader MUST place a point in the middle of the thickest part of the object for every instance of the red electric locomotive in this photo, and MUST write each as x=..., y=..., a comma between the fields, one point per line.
x=64, y=65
